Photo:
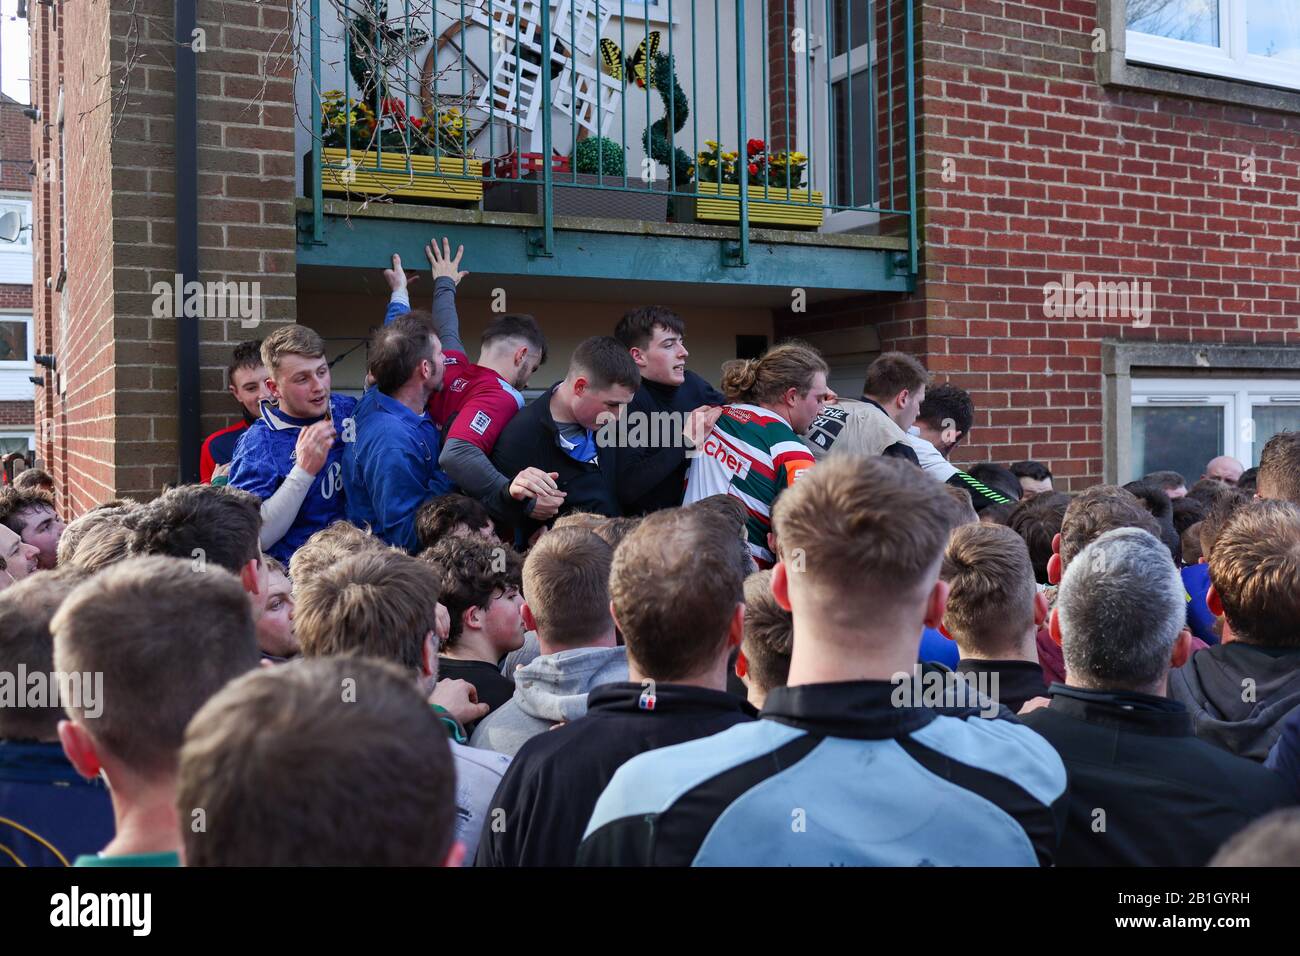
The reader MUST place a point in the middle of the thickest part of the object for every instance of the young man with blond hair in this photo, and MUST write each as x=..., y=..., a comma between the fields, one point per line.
x=384, y=605
x=1240, y=691
x=160, y=640
x=679, y=638
x=292, y=457
x=566, y=602
x=994, y=611
x=331, y=762
x=860, y=545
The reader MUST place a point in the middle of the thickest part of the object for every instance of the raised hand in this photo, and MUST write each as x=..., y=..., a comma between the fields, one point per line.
x=313, y=447
x=397, y=279
x=441, y=261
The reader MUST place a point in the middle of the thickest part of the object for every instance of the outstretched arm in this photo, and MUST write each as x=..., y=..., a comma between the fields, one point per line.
x=446, y=276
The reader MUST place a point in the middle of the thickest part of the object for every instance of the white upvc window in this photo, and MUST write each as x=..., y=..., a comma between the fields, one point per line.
x=1253, y=40
x=844, y=77
x=1179, y=424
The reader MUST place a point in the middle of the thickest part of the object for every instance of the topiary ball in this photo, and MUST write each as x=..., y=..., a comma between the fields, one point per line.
x=600, y=154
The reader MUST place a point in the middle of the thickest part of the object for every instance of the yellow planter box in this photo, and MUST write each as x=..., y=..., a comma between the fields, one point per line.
x=421, y=182
x=802, y=210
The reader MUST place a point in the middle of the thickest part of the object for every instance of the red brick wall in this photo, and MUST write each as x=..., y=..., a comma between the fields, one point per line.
x=1055, y=173
x=115, y=419
x=15, y=414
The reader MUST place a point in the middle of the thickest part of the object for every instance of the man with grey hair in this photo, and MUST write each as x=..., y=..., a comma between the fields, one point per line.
x=1144, y=790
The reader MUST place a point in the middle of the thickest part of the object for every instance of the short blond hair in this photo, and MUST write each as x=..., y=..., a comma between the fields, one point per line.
x=566, y=586
x=380, y=604
x=991, y=588
x=290, y=340
x=327, y=547
x=1255, y=569
x=867, y=532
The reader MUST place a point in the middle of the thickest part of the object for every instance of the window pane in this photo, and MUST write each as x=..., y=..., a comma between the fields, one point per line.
x=845, y=34
x=13, y=342
x=1273, y=29
x=1179, y=438
x=1196, y=21
x=1269, y=420
x=853, y=140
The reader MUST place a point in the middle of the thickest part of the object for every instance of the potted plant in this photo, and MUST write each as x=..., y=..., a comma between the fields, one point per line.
x=598, y=162
x=371, y=146
x=777, y=194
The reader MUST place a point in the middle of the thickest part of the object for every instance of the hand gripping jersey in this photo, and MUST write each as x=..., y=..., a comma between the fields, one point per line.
x=752, y=454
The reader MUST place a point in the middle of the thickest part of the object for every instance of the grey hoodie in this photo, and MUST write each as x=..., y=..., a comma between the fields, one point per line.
x=1239, y=694
x=549, y=690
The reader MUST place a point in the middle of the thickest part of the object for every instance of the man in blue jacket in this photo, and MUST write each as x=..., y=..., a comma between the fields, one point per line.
x=392, y=466
x=291, y=457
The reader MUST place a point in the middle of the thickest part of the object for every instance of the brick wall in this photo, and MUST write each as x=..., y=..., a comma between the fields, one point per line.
x=1053, y=173
x=15, y=144
x=117, y=419
x=15, y=414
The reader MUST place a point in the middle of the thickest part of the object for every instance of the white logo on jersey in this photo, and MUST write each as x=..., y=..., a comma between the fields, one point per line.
x=480, y=422
x=332, y=480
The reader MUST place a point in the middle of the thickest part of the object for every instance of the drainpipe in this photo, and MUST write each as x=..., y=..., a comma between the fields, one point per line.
x=187, y=237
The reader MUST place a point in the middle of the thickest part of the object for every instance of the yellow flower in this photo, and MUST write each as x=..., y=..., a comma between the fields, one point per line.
x=712, y=144
x=713, y=162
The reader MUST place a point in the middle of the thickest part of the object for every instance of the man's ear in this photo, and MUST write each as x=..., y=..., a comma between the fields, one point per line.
x=1182, y=648
x=455, y=856
x=1054, y=568
x=1054, y=627
x=273, y=388
x=520, y=356
x=936, y=603
x=80, y=749
x=429, y=656
x=250, y=575
x=530, y=622
x=742, y=665
x=471, y=619
x=638, y=356
x=1040, y=608
x=736, y=629
x=900, y=400
x=580, y=385
x=1214, y=602
x=781, y=586
x=614, y=617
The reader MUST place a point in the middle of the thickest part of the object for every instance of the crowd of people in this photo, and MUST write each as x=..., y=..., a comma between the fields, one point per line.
x=442, y=625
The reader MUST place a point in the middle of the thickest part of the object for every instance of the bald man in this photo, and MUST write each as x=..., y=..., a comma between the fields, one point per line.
x=1225, y=468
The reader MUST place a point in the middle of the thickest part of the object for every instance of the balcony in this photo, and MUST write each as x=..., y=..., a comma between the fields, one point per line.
x=761, y=145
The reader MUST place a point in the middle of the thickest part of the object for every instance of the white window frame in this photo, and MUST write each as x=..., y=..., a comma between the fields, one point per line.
x=7, y=315
x=858, y=59
x=29, y=435
x=1237, y=396
x=1229, y=59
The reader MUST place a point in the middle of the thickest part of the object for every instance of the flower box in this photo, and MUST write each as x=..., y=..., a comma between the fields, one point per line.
x=768, y=206
x=422, y=182
x=522, y=192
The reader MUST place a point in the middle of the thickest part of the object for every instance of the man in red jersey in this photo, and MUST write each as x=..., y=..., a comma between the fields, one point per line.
x=476, y=401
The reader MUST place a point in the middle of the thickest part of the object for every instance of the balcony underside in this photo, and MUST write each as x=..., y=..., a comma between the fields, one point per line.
x=612, y=257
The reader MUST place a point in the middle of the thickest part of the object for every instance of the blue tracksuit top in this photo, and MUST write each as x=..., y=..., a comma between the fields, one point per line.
x=265, y=456
x=391, y=468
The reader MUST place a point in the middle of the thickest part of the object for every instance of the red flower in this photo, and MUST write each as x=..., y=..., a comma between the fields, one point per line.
x=393, y=107
x=756, y=146
x=753, y=169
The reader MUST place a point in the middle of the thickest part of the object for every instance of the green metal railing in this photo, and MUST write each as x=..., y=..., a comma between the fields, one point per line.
x=446, y=54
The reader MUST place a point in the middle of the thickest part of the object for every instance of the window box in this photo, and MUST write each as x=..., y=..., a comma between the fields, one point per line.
x=768, y=206
x=572, y=193
x=429, y=179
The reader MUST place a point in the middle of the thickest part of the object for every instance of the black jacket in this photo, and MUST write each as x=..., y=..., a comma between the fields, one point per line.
x=1144, y=791
x=1018, y=681
x=654, y=478
x=555, y=779
x=1239, y=694
x=532, y=439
